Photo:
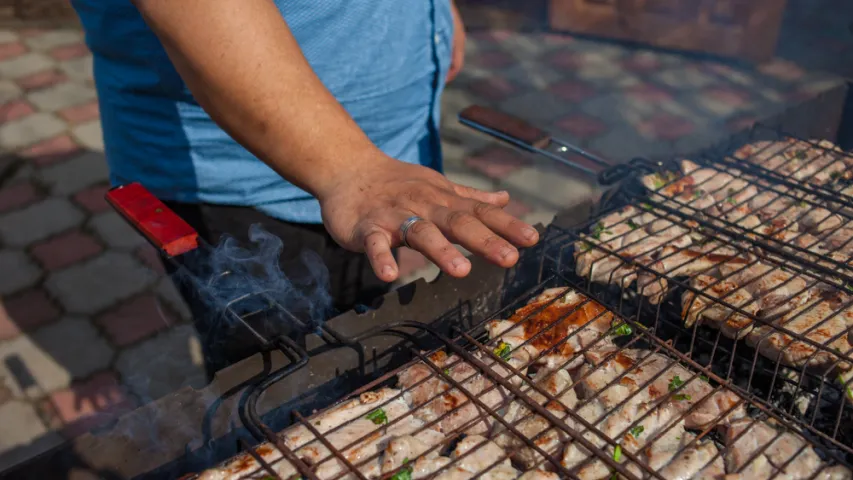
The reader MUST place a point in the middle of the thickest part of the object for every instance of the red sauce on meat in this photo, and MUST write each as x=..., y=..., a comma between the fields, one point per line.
x=567, y=317
x=623, y=360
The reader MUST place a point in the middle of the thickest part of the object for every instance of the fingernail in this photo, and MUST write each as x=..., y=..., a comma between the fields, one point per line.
x=505, y=252
x=529, y=233
x=387, y=271
x=458, y=262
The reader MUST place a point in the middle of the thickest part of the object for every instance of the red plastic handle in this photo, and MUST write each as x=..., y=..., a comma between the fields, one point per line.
x=154, y=220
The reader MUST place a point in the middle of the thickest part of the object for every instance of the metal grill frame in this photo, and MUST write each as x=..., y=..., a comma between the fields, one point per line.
x=463, y=342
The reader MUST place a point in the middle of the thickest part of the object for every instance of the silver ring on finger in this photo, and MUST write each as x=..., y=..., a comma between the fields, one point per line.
x=405, y=226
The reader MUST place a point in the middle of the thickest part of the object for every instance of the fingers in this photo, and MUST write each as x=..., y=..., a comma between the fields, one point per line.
x=500, y=199
x=425, y=237
x=377, y=247
x=464, y=228
x=505, y=225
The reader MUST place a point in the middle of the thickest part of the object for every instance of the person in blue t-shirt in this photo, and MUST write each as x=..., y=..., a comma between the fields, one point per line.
x=316, y=118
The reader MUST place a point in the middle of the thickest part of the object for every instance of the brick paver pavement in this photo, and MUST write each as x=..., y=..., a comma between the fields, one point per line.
x=85, y=308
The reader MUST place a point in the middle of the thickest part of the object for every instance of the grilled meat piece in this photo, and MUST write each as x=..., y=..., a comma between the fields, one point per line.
x=774, y=289
x=824, y=319
x=244, y=465
x=426, y=466
x=409, y=448
x=778, y=453
x=667, y=381
x=710, y=311
x=675, y=262
x=539, y=475
x=558, y=384
x=554, y=326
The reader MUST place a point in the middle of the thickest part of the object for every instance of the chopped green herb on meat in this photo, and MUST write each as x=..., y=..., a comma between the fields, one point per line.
x=503, y=350
x=637, y=431
x=800, y=154
x=703, y=377
x=622, y=329
x=404, y=474
x=675, y=383
x=617, y=453
x=681, y=396
x=633, y=225
x=646, y=207
x=446, y=371
x=377, y=416
x=598, y=229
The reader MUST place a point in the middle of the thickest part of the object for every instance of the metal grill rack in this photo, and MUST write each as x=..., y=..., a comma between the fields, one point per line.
x=474, y=348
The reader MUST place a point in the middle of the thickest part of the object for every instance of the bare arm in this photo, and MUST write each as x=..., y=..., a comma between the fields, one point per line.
x=245, y=68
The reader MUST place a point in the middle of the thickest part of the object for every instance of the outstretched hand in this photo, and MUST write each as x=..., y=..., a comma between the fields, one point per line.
x=364, y=214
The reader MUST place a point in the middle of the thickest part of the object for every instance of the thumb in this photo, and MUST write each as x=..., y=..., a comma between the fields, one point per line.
x=500, y=199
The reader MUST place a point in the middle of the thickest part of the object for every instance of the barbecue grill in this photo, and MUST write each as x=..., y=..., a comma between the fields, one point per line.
x=296, y=381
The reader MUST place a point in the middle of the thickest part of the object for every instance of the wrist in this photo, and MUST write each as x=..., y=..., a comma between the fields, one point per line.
x=355, y=169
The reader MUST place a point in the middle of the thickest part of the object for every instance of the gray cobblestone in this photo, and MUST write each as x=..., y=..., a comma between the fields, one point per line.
x=62, y=95
x=9, y=91
x=683, y=78
x=89, y=135
x=548, y=187
x=38, y=221
x=47, y=373
x=94, y=285
x=29, y=130
x=8, y=36
x=23, y=65
x=76, y=174
x=19, y=271
x=76, y=345
x=115, y=231
x=53, y=38
x=78, y=69
x=151, y=374
x=536, y=106
x=167, y=291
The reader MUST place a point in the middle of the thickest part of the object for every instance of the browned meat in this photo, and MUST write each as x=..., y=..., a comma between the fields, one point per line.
x=780, y=448
x=708, y=310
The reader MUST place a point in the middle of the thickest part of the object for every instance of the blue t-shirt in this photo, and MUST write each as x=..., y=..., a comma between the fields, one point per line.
x=384, y=60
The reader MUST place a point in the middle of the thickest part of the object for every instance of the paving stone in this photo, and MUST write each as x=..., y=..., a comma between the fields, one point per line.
x=8, y=329
x=64, y=250
x=89, y=135
x=135, y=319
x=582, y=126
x=7, y=36
x=149, y=256
x=11, y=50
x=78, y=69
x=76, y=345
x=538, y=107
x=535, y=74
x=63, y=95
x=9, y=91
x=43, y=79
x=492, y=89
x=68, y=52
x=497, y=161
x=41, y=374
x=76, y=174
x=547, y=188
x=39, y=221
x=9, y=112
x=30, y=309
x=52, y=150
x=23, y=65
x=29, y=130
x=92, y=286
x=53, y=38
x=684, y=78
x=91, y=403
x=81, y=113
x=167, y=291
x=92, y=198
x=667, y=127
x=470, y=180
x=16, y=196
x=572, y=90
x=600, y=71
x=150, y=374
x=115, y=231
x=19, y=272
